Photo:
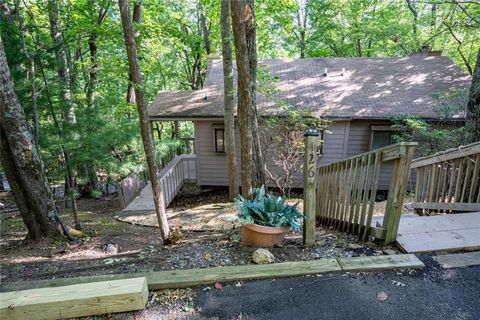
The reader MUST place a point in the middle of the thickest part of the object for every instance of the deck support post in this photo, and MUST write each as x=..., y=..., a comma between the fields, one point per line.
x=396, y=193
x=309, y=189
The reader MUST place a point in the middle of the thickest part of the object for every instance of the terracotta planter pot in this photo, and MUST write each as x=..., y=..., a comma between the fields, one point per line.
x=254, y=235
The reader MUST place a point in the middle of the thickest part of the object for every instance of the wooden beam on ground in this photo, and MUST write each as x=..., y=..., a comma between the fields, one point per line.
x=377, y=263
x=78, y=300
x=197, y=277
x=207, y=276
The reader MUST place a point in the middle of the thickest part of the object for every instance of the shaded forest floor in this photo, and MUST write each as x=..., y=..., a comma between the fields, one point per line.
x=117, y=247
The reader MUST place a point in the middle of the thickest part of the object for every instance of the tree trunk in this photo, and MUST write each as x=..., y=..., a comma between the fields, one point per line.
x=204, y=27
x=178, y=149
x=472, y=123
x=22, y=163
x=134, y=67
x=228, y=99
x=413, y=10
x=243, y=108
x=30, y=76
x=137, y=18
x=90, y=170
x=62, y=61
x=65, y=80
x=302, y=16
x=258, y=169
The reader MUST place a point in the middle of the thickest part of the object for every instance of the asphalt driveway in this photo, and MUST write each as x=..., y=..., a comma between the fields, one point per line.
x=430, y=293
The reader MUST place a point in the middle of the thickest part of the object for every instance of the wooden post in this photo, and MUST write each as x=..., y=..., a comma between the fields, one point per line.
x=396, y=193
x=309, y=189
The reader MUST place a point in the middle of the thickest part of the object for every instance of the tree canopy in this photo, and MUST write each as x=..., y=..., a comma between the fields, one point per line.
x=173, y=38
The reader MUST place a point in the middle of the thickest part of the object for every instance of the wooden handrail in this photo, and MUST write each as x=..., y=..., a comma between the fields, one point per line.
x=390, y=152
x=174, y=174
x=448, y=181
x=346, y=191
x=449, y=154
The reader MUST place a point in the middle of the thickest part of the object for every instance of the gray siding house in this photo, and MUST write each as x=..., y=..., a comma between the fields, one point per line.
x=359, y=96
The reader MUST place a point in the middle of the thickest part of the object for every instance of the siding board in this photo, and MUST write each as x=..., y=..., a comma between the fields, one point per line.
x=212, y=167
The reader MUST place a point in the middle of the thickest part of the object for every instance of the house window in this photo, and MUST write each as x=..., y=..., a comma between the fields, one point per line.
x=219, y=140
x=381, y=137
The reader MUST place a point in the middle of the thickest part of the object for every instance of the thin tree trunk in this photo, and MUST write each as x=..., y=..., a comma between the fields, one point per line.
x=22, y=163
x=178, y=149
x=62, y=61
x=30, y=76
x=204, y=27
x=413, y=10
x=243, y=109
x=228, y=99
x=137, y=19
x=258, y=169
x=472, y=124
x=302, y=16
x=65, y=80
x=158, y=197
x=90, y=170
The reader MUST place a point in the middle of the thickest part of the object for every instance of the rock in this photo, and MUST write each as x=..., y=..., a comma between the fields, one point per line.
x=262, y=256
x=408, y=206
x=110, y=248
x=230, y=218
x=389, y=251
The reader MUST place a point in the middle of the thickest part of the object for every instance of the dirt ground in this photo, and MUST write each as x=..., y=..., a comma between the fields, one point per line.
x=115, y=246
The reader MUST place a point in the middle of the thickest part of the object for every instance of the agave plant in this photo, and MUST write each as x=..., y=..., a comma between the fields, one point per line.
x=266, y=209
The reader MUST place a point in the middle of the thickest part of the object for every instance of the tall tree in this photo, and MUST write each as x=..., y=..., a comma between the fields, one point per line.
x=472, y=124
x=225, y=23
x=301, y=28
x=204, y=27
x=243, y=82
x=99, y=16
x=31, y=75
x=23, y=166
x=137, y=19
x=134, y=67
x=411, y=4
x=65, y=81
x=63, y=64
x=258, y=169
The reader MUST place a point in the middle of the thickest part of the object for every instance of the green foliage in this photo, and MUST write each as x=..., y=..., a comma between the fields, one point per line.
x=107, y=137
x=266, y=209
x=377, y=28
x=433, y=136
x=172, y=57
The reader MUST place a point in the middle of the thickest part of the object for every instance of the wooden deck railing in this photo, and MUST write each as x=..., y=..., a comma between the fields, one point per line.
x=448, y=181
x=171, y=178
x=130, y=187
x=346, y=191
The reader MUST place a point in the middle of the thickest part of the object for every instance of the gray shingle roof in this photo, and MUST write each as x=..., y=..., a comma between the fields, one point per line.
x=370, y=88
